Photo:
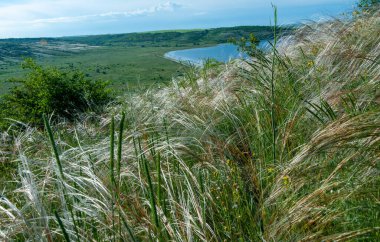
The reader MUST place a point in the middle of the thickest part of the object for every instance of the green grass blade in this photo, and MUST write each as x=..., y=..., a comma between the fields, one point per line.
x=112, y=151
x=112, y=169
x=273, y=74
x=119, y=145
x=159, y=195
x=62, y=226
x=152, y=197
x=133, y=238
x=55, y=149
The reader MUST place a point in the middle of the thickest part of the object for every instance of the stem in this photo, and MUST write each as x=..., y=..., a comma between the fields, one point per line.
x=119, y=146
x=66, y=198
x=62, y=227
x=273, y=117
x=112, y=172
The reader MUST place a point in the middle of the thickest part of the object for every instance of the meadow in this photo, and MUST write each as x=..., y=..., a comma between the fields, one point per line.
x=128, y=61
x=125, y=67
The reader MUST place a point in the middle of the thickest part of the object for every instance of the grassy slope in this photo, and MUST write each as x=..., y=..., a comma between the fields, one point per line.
x=195, y=160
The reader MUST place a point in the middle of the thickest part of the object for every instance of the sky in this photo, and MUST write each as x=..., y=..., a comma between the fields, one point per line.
x=54, y=18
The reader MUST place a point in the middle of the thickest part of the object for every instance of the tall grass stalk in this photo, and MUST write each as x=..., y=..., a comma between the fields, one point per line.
x=112, y=173
x=54, y=146
x=273, y=79
x=152, y=198
x=119, y=146
x=67, y=199
x=112, y=151
x=66, y=236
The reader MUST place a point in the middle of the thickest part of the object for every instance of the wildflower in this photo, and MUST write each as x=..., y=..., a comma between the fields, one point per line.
x=286, y=180
x=310, y=64
x=270, y=170
x=314, y=50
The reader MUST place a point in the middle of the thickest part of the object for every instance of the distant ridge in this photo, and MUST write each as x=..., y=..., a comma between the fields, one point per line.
x=180, y=36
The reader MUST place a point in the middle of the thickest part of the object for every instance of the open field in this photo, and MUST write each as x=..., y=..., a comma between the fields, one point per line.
x=125, y=67
x=127, y=60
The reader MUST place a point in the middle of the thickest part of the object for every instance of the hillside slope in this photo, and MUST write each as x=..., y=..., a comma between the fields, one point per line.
x=281, y=148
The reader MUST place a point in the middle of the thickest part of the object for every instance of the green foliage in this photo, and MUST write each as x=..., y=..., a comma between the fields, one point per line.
x=367, y=3
x=49, y=90
x=173, y=38
x=248, y=45
x=366, y=6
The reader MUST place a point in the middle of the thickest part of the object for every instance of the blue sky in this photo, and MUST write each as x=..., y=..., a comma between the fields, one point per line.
x=51, y=18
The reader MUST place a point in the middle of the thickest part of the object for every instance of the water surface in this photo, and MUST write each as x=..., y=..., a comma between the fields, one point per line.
x=221, y=52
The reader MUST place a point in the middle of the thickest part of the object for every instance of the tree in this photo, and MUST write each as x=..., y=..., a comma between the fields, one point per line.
x=49, y=90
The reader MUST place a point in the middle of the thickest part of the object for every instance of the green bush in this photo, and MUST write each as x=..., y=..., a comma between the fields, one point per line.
x=367, y=3
x=49, y=90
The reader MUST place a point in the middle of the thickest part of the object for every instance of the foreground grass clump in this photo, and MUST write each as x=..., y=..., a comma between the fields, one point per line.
x=281, y=148
x=49, y=90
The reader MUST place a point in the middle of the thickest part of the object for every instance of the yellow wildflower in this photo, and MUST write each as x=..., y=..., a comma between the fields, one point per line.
x=286, y=180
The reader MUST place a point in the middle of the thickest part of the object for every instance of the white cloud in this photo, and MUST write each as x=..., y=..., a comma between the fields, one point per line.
x=167, y=6
x=31, y=17
x=63, y=9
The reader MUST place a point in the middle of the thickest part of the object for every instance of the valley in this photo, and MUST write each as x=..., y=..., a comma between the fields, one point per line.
x=128, y=61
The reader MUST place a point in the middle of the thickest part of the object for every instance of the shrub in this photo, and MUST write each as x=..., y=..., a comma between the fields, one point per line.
x=49, y=90
x=367, y=3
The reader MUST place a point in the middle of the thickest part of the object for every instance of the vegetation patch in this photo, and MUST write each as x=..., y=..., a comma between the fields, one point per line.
x=47, y=91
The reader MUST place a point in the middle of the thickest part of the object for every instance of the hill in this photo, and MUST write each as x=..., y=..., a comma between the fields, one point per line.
x=281, y=147
x=176, y=38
